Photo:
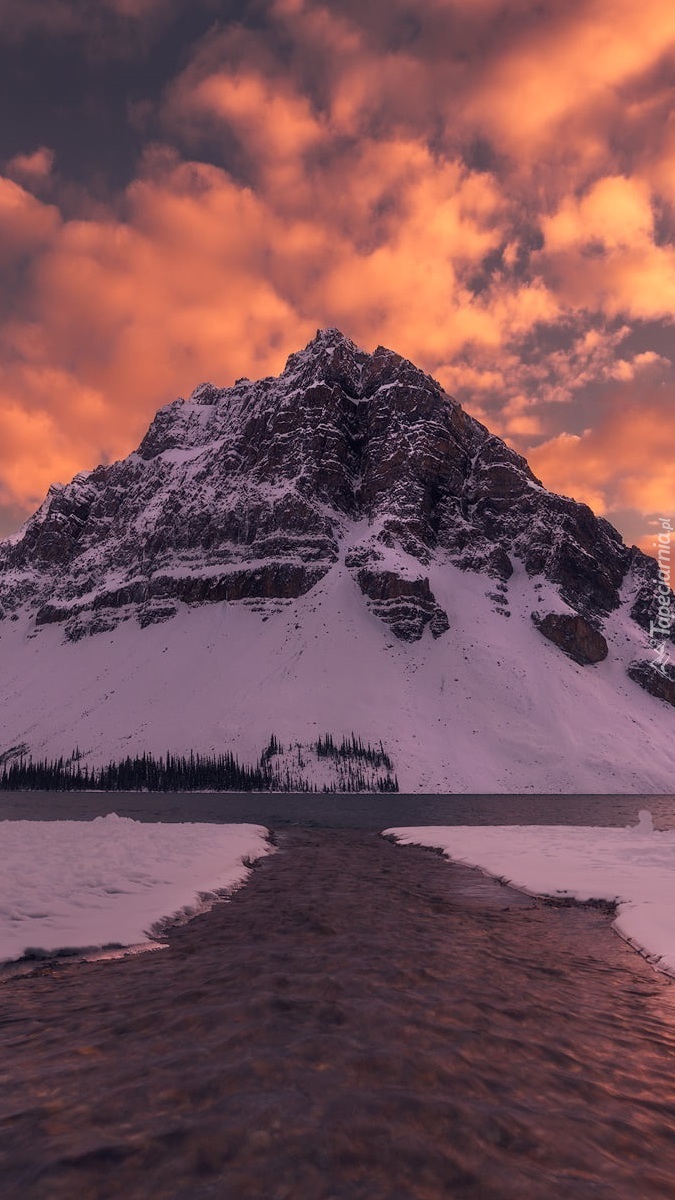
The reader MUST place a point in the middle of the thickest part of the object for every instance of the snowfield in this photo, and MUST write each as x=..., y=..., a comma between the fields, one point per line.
x=634, y=867
x=489, y=707
x=84, y=885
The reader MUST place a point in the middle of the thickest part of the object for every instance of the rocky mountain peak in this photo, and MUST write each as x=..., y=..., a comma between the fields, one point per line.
x=332, y=358
x=252, y=494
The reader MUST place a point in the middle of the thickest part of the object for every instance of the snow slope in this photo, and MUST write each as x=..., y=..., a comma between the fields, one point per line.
x=490, y=707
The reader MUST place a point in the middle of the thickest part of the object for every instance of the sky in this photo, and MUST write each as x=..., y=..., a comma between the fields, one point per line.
x=190, y=188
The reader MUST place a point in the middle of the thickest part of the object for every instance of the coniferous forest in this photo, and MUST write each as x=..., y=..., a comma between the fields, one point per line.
x=359, y=768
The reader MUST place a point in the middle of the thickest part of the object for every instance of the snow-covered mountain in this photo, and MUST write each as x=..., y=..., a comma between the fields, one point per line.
x=339, y=549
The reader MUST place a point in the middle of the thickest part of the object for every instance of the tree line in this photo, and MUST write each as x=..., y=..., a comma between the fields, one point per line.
x=204, y=772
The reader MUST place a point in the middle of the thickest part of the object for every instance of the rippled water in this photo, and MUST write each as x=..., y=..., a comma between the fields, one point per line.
x=346, y=811
x=362, y=1021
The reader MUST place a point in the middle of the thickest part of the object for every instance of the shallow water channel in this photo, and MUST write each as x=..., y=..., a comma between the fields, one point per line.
x=361, y=1020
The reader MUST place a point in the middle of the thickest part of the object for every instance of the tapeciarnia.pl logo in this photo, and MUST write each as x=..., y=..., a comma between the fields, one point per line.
x=661, y=628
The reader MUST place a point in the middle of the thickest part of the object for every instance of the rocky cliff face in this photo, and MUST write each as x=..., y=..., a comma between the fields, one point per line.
x=251, y=494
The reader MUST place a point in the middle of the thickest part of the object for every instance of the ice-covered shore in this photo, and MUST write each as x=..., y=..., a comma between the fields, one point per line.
x=90, y=884
x=71, y=885
x=633, y=867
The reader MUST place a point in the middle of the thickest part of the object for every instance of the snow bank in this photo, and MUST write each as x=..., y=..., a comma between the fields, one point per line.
x=633, y=866
x=85, y=884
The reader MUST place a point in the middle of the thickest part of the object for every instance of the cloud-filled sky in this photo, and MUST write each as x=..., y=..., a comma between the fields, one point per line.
x=189, y=188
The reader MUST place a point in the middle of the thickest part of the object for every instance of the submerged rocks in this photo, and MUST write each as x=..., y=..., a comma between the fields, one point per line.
x=573, y=634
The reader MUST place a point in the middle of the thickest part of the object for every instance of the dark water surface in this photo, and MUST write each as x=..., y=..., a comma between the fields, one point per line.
x=279, y=810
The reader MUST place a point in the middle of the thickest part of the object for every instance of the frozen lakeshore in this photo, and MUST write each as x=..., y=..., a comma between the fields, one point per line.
x=74, y=884
x=68, y=886
x=361, y=1020
x=631, y=868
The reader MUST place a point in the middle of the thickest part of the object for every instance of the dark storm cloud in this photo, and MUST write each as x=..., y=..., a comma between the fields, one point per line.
x=75, y=77
x=110, y=27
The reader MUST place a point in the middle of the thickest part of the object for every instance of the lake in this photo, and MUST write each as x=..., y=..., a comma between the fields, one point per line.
x=279, y=810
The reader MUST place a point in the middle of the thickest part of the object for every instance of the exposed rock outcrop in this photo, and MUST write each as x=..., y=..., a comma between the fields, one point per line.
x=573, y=634
x=659, y=683
x=407, y=605
x=649, y=607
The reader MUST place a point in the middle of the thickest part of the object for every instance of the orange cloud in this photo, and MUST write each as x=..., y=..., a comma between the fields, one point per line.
x=624, y=461
x=37, y=445
x=616, y=213
x=482, y=187
x=602, y=250
x=289, y=127
x=653, y=538
x=568, y=68
x=117, y=318
x=25, y=224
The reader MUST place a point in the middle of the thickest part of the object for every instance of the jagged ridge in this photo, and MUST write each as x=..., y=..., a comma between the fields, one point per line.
x=251, y=494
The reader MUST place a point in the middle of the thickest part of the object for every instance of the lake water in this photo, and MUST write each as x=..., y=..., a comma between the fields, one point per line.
x=279, y=810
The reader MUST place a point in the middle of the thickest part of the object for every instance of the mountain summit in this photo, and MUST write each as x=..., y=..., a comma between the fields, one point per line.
x=269, y=543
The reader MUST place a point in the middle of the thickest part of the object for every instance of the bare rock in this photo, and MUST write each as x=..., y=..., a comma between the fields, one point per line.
x=573, y=634
x=658, y=681
x=406, y=605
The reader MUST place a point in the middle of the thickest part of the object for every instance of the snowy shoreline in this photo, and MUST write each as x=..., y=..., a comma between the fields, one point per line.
x=113, y=883
x=631, y=868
